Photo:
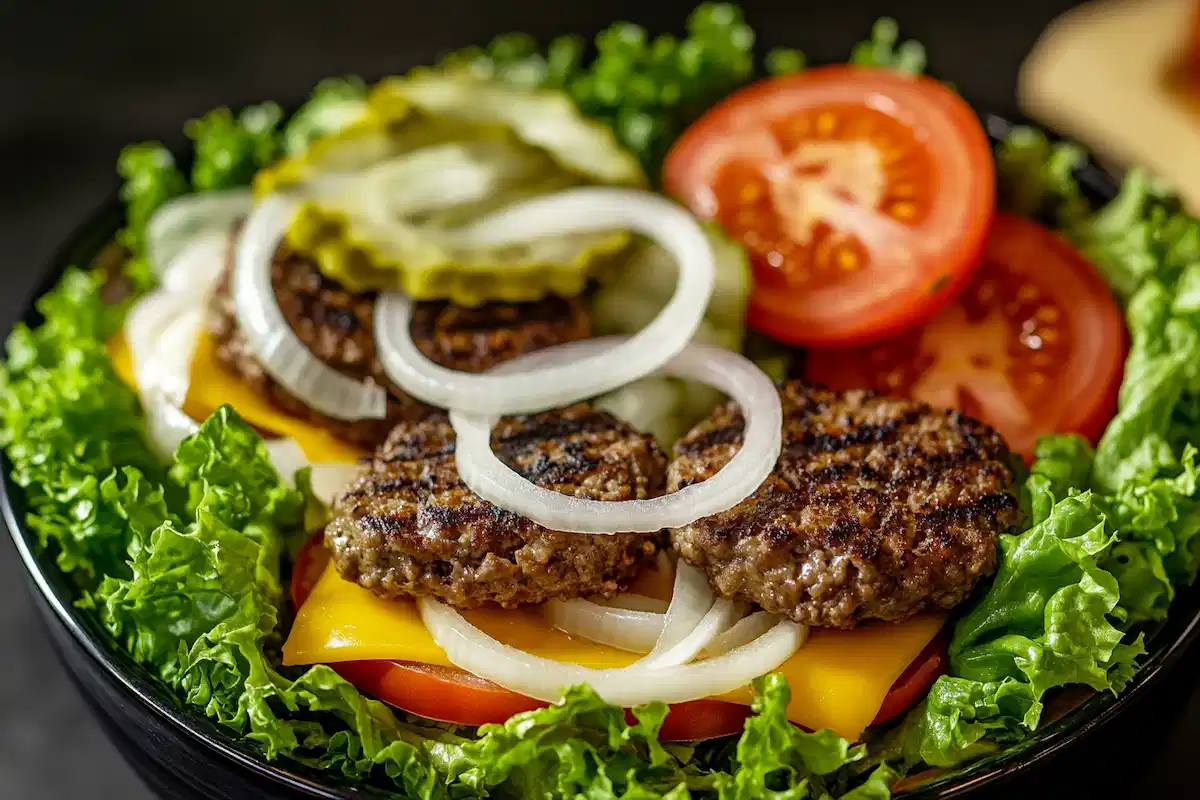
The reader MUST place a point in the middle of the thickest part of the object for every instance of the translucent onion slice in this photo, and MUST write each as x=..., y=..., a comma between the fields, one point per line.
x=175, y=226
x=744, y=630
x=471, y=649
x=594, y=373
x=198, y=266
x=636, y=602
x=271, y=339
x=331, y=478
x=732, y=373
x=624, y=629
x=723, y=614
x=162, y=329
x=691, y=599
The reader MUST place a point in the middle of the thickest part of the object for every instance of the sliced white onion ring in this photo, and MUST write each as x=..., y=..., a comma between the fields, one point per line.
x=593, y=373
x=744, y=630
x=635, y=631
x=636, y=602
x=178, y=223
x=723, y=614
x=328, y=479
x=732, y=373
x=471, y=649
x=284, y=357
x=198, y=266
x=691, y=598
x=162, y=329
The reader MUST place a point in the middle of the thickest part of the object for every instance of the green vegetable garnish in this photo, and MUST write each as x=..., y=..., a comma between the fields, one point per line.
x=881, y=50
x=334, y=104
x=230, y=150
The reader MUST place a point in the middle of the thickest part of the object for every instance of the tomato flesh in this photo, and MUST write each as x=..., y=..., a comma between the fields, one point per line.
x=1034, y=345
x=914, y=682
x=452, y=695
x=862, y=196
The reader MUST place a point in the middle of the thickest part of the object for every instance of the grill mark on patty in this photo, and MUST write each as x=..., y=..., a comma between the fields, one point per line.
x=880, y=433
x=877, y=509
x=533, y=433
x=726, y=434
x=337, y=326
x=408, y=526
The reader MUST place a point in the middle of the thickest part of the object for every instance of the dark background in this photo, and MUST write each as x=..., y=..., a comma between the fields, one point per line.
x=78, y=80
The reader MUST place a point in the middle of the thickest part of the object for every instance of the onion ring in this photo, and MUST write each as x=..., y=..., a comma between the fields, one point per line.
x=624, y=629
x=545, y=679
x=283, y=356
x=496, y=482
x=571, y=211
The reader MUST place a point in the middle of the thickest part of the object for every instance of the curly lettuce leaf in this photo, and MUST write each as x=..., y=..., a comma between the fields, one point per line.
x=334, y=104
x=881, y=50
x=229, y=149
x=67, y=422
x=775, y=760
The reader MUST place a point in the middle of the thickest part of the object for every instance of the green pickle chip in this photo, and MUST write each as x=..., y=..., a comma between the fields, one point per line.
x=382, y=200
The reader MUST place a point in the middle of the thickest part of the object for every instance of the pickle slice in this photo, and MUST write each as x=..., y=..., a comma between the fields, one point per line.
x=383, y=199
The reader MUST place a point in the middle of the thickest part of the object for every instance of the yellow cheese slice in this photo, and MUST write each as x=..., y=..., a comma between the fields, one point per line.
x=838, y=679
x=211, y=387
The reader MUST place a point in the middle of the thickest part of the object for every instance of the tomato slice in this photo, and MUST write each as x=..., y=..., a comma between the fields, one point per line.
x=1035, y=345
x=454, y=695
x=913, y=684
x=863, y=197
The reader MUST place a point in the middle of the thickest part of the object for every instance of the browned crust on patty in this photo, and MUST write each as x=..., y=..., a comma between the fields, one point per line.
x=337, y=326
x=878, y=508
x=408, y=525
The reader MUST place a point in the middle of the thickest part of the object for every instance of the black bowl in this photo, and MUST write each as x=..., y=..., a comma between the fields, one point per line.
x=181, y=754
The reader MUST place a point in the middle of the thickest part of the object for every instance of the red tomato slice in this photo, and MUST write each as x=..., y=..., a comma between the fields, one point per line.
x=1035, y=345
x=913, y=684
x=453, y=695
x=863, y=197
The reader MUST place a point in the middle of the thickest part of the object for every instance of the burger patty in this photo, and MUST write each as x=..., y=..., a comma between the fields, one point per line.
x=337, y=326
x=878, y=508
x=408, y=525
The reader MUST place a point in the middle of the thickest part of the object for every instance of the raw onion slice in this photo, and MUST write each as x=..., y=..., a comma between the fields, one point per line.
x=179, y=222
x=732, y=373
x=162, y=329
x=723, y=614
x=594, y=373
x=544, y=679
x=328, y=479
x=636, y=602
x=271, y=339
x=198, y=266
x=743, y=631
x=691, y=598
x=624, y=629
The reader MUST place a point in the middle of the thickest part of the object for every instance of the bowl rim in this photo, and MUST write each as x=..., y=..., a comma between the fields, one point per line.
x=1173, y=637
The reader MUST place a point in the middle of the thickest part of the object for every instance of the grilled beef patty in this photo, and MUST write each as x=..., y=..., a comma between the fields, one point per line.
x=409, y=526
x=878, y=508
x=337, y=326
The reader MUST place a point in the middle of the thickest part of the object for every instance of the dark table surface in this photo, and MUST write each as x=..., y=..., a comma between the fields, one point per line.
x=81, y=79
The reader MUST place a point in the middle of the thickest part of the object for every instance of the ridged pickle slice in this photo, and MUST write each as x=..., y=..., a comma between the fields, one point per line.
x=382, y=200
